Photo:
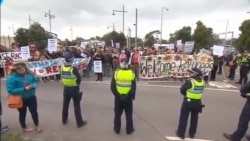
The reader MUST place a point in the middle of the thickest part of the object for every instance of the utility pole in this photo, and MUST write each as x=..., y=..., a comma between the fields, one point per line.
x=30, y=20
x=226, y=34
x=113, y=26
x=123, y=16
x=136, y=27
x=71, y=30
x=162, y=10
x=50, y=17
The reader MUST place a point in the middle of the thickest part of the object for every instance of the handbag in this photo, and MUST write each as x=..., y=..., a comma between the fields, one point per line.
x=16, y=101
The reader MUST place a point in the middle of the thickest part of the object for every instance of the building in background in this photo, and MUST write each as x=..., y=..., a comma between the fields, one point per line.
x=6, y=41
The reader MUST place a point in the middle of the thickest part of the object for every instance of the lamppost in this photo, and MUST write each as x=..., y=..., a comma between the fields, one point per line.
x=30, y=20
x=162, y=10
x=136, y=26
x=123, y=12
x=50, y=17
x=113, y=26
x=128, y=37
x=71, y=31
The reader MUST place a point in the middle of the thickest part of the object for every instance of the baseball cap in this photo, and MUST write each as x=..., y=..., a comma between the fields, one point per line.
x=68, y=57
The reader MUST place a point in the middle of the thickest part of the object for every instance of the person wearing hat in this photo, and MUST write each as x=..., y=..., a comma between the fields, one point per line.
x=71, y=80
x=192, y=90
x=123, y=87
x=244, y=117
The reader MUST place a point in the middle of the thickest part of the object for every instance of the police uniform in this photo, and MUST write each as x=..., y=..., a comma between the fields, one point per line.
x=123, y=86
x=244, y=68
x=244, y=117
x=192, y=90
x=71, y=80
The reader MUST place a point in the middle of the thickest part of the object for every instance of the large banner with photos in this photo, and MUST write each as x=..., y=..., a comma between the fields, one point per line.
x=173, y=65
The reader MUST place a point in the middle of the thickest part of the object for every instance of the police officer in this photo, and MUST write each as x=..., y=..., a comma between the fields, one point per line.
x=244, y=116
x=71, y=80
x=192, y=89
x=123, y=86
x=244, y=68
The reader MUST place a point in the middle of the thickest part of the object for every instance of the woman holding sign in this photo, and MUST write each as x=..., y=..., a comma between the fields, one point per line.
x=98, y=62
x=21, y=83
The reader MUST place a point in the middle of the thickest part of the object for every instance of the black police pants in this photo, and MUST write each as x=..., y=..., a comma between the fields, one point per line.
x=243, y=123
x=72, y=93
x=193, y=107
x=213, y=73
x=232, y=72
x=243, y=74
x=127, y=106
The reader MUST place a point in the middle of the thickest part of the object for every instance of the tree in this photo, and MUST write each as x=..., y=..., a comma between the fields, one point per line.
x=243, y=42
x=38, y=36
x=150, y=39
x=203, y=36
x=116, y=37
x=22, y=36
x=183, y=34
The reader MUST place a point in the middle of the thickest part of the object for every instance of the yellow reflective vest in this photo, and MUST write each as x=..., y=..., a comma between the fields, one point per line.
x=123, y=79
x=68, y=78
x=196, y=91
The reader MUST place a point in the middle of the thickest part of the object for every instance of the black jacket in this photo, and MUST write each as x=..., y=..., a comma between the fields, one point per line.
x=131, y=93
x=188, y=84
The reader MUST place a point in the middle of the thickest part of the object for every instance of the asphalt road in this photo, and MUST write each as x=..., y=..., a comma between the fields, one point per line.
x=156, y=113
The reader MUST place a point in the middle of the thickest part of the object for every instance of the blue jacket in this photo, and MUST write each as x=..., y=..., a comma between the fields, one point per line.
x=15, y=85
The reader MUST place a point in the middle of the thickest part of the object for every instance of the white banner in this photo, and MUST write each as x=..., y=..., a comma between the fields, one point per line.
x=52, y=45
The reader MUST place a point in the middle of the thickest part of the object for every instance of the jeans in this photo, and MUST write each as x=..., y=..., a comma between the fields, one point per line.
x=31, y=103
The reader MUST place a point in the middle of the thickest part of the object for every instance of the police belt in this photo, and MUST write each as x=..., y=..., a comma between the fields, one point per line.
x=194, y=100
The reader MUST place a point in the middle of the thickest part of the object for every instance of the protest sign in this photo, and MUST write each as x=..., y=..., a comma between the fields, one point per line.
x=15, y=56
x=52, y=67
x=25, y=52
x=98, y=66
x=52, y=45
x=189, y=46
x=173, y=65
x=218, y=50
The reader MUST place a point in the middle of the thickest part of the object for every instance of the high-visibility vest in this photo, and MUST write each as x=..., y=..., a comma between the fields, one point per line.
x=68, y=78
x=196, y=91
x=244, y=59
x=123, y=79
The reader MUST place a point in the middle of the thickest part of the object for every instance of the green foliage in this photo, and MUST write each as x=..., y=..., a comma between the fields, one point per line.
x=116, y=37
x=22, y=36
x=243, y=42
x=183, y=34
x=150, y=39
x=11, y=137
x=37, y=35
x=203, y=36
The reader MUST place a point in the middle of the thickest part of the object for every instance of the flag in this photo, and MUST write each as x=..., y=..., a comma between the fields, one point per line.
x=52, y=16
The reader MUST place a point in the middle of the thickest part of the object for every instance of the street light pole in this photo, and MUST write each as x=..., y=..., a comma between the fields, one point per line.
x=113, y=26
x=50, y=17
x=162, y=10
x=71, y=30
x=136, y=26
x=30, y=20
x=123, y=16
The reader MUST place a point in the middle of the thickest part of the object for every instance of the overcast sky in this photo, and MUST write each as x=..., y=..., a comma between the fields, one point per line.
x=91, y=17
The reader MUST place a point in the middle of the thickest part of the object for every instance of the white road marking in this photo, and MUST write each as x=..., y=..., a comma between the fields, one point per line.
x=186, y=139
x=165, y=86
x=219, y=84
x=162, y=86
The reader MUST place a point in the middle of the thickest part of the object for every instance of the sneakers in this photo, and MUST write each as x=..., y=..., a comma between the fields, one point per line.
x=4, y=129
